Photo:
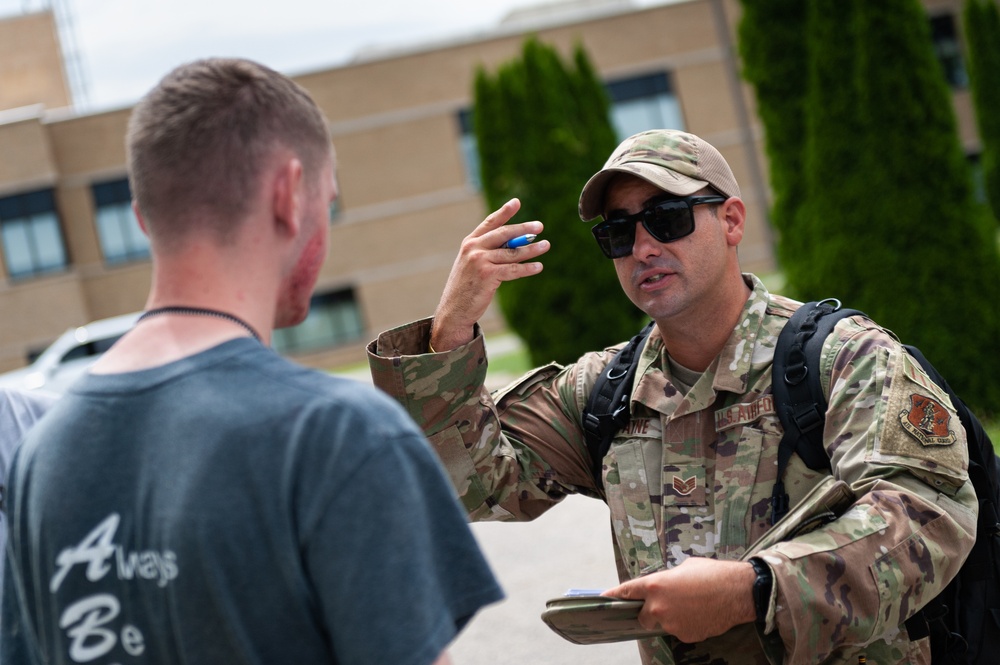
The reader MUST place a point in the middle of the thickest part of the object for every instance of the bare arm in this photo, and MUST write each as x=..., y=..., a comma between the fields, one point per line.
x=443, y=659
x=479, y=269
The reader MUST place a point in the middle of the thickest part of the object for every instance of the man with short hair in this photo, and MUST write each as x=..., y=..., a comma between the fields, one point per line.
x=689, y=480
x=196, y=498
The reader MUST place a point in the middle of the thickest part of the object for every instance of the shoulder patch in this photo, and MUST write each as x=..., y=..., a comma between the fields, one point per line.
x=927, y=420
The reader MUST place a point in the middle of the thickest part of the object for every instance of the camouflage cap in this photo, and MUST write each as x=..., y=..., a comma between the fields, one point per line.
x=674, y=161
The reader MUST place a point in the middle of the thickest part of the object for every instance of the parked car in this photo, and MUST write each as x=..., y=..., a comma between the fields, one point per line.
x=67, y=358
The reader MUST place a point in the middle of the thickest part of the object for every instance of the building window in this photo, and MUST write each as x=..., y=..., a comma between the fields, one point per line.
x=121, y=238
x=949, y=50
x=470, y=150
x=32, y=239
x=643, y=102
x=334, y=318
x=637, y=104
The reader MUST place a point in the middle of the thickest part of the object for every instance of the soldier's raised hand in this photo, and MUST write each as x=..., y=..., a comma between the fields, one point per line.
x=482, y=265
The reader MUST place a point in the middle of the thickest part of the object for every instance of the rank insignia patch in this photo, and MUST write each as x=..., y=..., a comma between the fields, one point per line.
x=686, y=486
x=927, y=421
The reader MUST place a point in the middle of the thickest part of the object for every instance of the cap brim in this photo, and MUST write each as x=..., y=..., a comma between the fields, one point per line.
x=592, y=196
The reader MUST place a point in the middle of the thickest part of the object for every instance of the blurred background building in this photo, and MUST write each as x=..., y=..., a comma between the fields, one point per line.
x=71, y=252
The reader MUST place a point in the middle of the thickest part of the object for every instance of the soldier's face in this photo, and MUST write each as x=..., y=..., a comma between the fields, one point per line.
x=665, y=280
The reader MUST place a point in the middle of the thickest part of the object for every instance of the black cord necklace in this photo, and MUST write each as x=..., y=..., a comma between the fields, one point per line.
x=200, y=311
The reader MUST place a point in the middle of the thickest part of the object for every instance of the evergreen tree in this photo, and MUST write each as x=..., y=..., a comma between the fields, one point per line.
x=982, y=33
x=772, y=46
x=890, y=216
x=543, y=129
x=945, y=256
x=828, y=224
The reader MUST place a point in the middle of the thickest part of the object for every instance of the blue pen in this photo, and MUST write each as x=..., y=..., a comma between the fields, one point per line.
x=519, y=241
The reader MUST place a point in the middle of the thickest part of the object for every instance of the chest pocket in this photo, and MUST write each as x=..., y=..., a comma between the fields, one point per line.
x=748, y=436
x=737, y=476
x=633, y=468
x=667, y=502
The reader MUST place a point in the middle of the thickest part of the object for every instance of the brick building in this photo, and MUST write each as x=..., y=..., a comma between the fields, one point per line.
x=70, y=251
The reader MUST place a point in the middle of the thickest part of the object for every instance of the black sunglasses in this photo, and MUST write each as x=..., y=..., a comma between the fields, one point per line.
x=666, y=220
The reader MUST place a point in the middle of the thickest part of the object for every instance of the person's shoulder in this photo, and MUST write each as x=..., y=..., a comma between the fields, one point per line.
x=855, y=334
x=318, y=382
x=782, y=306
x=322, y=390
x=584, y=374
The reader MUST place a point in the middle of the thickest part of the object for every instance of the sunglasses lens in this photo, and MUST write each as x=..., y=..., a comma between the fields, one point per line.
x=669, y=220
x=615, y=238
x=666, y=221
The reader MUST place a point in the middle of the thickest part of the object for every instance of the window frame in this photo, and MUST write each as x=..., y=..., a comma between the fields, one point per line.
x=37, y=214
x=654, y=86
x=113, y=210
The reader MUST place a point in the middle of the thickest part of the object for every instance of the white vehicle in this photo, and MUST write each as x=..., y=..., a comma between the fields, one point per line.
x=67, y=358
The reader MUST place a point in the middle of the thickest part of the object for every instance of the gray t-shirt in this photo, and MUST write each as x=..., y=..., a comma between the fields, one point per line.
x=235, y=508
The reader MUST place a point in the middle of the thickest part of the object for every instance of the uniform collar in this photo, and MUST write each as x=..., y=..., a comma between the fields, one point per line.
x=733, y=374
x=728, y=372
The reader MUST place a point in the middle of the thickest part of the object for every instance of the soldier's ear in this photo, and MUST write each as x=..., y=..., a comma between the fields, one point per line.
x=733, y=215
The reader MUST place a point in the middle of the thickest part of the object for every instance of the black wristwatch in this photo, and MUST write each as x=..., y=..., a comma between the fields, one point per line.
x=761, y=589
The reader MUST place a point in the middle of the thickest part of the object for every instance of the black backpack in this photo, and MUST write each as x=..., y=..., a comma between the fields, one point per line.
x=964, y=620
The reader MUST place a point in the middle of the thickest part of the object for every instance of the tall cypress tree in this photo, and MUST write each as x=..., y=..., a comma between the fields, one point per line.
x=827, y=224
x=543, y=129
x=946, y=256
x=772, y=46
x=982, y=35
x=891, y=216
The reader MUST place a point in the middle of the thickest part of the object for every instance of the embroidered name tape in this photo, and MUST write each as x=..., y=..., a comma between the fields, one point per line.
x=742, y=414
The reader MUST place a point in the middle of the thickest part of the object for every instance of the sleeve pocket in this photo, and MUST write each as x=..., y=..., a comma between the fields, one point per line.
x=450, y=448
x=922, y=432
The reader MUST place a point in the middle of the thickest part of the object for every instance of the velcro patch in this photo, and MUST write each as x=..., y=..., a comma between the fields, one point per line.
x=685, y=486
x=743, y=414
x=642, y=428
x=927, y=421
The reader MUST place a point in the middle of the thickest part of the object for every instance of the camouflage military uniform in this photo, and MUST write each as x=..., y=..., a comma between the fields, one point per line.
x=692, y=475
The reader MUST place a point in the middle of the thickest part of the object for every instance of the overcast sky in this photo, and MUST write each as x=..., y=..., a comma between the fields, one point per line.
x=125, y=46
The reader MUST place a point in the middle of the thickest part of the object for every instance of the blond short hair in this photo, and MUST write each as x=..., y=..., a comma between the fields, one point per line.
x=198, y=142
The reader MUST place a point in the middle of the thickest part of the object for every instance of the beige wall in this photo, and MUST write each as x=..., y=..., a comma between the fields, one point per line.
x=405, y=202
x=27, y=161
x=31, y=66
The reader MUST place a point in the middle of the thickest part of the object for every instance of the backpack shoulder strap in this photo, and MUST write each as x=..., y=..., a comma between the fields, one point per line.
x=607, y=409
x=798, y=390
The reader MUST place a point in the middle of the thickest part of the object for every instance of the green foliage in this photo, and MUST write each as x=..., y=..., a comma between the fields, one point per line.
x=829, y=223
x=992, y=428
x=772, y=45
x=890, y=216
x=543, y=129
x=982, y=34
